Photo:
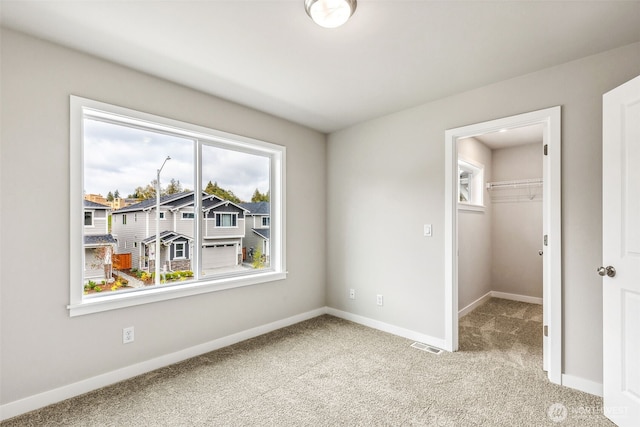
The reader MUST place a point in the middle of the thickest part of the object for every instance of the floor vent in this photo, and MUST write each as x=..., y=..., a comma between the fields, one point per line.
x=425, y=347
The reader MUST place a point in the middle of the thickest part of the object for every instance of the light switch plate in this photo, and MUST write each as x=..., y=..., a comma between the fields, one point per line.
x=427, y=230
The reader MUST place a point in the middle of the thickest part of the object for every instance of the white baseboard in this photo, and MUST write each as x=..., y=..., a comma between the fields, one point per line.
x=477, y=303
x=495, y=294
x=18, y=407
x=516, y=297
x=385, y=327
x=582, y=384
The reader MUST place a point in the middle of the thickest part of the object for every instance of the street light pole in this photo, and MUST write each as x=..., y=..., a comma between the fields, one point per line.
x=157, y=281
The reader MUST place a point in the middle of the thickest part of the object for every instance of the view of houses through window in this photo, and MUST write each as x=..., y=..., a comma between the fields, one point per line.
x=214, y=207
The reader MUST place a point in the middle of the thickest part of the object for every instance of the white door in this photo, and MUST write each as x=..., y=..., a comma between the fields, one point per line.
x=621, y=253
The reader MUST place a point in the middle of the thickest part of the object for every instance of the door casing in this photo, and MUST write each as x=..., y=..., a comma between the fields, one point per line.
x=550, y=119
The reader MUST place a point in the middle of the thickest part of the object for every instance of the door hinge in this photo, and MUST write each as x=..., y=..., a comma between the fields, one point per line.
x=546, y=149
x=546, y=240
x=546, y=330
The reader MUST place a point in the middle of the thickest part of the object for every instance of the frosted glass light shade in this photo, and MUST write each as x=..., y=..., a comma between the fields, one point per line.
x=330, y=13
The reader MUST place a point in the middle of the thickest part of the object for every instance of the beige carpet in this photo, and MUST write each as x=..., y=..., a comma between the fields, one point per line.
x=330, y=372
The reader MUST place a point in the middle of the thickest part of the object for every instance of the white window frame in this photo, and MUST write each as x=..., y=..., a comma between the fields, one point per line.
x=80, y=304
x=192, y=216
x=232, y=214
x=163, y=215
x=175, y=250
x=476, y=185
x=265, y=219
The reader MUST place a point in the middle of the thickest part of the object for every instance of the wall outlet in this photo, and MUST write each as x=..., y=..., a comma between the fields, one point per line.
x=127, y=335
x=379, y=299
x=352, y=294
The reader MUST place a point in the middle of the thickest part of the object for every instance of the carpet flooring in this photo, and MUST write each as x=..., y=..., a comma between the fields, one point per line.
x=330, y=372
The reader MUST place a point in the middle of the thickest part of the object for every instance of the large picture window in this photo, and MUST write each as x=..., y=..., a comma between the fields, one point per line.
x=162, y=172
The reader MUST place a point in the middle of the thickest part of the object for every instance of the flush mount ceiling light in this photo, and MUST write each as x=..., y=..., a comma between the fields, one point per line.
x=330, y=13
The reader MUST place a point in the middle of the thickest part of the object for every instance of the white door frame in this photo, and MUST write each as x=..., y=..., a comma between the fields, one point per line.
x=550, y=118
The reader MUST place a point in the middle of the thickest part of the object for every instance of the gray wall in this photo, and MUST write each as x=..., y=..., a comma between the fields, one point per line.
x=42, y=347
x=386, y=179
x=516, y=267
x=475, y=240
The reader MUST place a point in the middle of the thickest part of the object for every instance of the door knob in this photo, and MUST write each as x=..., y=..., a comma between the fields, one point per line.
x=540, y=253
x=607, y=271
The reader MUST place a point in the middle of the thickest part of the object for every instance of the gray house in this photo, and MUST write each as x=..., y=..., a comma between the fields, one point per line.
x=98, y=243
x=257, y=230
x=223, y=231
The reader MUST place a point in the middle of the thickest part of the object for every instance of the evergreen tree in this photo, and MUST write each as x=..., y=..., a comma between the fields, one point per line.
x=174, y=187
x=259, y=197
x=109, y=196
x=116, y=195
x=215, y=189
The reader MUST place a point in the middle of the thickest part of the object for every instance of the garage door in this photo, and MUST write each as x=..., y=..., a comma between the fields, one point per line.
x=218, y=256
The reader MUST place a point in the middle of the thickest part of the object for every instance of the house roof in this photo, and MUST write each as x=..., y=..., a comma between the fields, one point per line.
x=259, y=208
x=99, y=240
x=93, y=205
x=166, y=237
x=165, y=200
x=176, y=201
x=265, y=233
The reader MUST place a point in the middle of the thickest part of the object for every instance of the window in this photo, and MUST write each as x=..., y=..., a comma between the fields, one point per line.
x=226, y=220
x=470, y=185
x=88, y=218
x=265, y=221
x=179, y=250
x=190, y=167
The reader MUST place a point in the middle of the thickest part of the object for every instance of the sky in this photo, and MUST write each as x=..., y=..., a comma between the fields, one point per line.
x=122, y=158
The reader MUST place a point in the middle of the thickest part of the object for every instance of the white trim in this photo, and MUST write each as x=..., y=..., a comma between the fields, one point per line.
x=517, y=297
x=470, y=207
x=495, y=294
x=582, y=384
x=18, y=407
x=550, y=118
x=477, y=303
x=80, y=109
x=386, y=327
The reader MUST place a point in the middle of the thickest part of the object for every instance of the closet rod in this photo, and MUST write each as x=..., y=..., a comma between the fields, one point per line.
x=518, y=183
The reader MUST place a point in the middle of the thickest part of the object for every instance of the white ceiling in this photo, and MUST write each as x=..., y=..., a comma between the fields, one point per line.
x=512, y=137
x=391, y=55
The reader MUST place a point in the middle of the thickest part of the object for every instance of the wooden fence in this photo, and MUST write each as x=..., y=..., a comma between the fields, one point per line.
x=121, y=261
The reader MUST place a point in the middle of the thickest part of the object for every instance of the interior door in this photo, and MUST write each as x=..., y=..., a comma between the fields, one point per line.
x=621, y=253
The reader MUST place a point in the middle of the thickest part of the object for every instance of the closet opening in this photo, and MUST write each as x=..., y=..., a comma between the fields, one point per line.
x=502, y=237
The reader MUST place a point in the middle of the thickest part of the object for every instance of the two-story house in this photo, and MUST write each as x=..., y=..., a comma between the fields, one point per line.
x=98, y=243
x=223, y=231
x=257, y=230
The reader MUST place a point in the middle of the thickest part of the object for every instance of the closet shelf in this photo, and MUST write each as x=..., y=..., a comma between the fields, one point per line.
x=518, y=183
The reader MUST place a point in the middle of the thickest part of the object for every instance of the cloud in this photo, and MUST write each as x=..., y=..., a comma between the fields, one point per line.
x=118, y=157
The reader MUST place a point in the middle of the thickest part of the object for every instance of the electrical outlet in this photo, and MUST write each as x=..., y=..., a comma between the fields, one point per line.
x=379, y=299
x=127, y=335
x=352, y=294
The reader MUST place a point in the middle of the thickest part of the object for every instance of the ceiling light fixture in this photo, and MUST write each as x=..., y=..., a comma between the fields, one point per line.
x=330, y=13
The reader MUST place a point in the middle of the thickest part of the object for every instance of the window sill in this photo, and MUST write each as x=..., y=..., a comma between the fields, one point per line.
x=470, y=208
x=168, y=292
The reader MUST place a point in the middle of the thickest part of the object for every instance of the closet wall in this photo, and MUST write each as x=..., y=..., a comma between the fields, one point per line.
x=474, y=232
x=498, y=246
x=517, y=222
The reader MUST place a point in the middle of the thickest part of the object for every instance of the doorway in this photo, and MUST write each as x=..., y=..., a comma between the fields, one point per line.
x=548, y=123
